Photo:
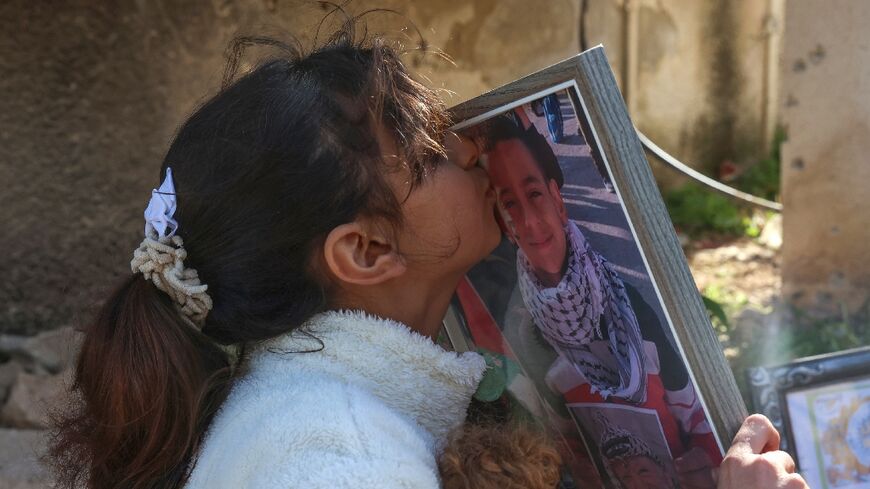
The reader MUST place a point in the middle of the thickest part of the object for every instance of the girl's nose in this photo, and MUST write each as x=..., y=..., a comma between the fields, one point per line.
x=461, y=150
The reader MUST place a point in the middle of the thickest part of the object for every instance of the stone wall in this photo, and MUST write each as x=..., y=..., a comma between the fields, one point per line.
x=92, y=91
x=696, y=75
x=826, y=172
x=33, y=375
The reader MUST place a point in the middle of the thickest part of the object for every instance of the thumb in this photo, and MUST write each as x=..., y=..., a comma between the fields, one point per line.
x=756, y=435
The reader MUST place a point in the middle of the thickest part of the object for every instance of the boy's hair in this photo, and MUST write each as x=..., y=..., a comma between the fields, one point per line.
x=505, y=128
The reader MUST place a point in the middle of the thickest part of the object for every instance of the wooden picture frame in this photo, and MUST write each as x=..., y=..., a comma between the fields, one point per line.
x=589, y=80
x=785, y=394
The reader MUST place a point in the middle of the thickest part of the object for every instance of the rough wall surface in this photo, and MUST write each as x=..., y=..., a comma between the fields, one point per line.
x=91, y=93
x=82, y=123
x=826, y=172
x=699, y=73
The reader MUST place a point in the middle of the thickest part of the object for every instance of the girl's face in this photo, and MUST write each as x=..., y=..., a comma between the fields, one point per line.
x=450, y=218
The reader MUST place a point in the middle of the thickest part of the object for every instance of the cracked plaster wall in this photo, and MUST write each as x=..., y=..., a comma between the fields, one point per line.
x=91, y=93
x=826, y=172
x=700, y=68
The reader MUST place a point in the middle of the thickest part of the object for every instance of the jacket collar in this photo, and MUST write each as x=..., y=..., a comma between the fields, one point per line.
x=404, y=369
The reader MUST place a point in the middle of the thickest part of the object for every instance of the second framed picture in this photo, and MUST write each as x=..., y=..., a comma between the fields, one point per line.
x=821, y=407
x=586, y=311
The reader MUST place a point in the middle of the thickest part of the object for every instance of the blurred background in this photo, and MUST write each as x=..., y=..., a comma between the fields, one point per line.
x=766, y=96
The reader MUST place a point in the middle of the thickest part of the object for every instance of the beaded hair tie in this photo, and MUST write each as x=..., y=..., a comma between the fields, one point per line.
x=160, y=257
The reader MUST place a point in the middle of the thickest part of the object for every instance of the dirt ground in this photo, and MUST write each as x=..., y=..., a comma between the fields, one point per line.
x=744, y=276
x=739, y=274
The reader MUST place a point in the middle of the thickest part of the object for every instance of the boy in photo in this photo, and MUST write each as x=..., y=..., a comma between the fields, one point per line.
x=611, y=345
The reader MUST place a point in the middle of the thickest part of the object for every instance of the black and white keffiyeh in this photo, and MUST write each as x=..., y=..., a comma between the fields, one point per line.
x=618, y=443
x=570, y=315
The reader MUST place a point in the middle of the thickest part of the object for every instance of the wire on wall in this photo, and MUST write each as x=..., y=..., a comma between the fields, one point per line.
x=716, y=185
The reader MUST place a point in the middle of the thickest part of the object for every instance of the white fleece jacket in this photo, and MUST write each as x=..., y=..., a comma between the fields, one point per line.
x=371, y=409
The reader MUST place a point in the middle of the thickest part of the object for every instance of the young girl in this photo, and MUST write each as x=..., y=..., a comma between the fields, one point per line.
x=312, y=222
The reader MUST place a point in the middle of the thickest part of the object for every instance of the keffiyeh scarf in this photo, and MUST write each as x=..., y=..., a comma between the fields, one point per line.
x=570, y=315
x=618, y=443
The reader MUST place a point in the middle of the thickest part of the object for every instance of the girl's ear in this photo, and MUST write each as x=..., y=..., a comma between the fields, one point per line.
x=355, y=255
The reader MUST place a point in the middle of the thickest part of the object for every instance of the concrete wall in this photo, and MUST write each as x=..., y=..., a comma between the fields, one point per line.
x=826, y=172
x=695, y=74
x=92, y=92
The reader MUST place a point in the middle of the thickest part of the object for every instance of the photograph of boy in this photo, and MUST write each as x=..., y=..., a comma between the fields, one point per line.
x=630, y=444
x=611, y=343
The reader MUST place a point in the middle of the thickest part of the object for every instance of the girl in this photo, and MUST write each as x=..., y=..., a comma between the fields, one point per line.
x=313, y=220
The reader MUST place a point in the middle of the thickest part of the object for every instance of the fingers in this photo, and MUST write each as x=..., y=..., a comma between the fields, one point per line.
x=754, y=462
x=781, y=460
x=461, y=150
x=757, y=435
x=793, y=481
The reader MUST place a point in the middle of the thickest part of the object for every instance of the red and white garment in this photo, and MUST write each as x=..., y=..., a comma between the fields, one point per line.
x=570, y=314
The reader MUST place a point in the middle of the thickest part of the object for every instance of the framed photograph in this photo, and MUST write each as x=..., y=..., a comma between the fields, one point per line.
x=623, y=428
x=821, y=405
x=587, y=312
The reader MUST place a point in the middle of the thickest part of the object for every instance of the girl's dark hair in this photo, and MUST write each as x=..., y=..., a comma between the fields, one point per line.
x=263, y=171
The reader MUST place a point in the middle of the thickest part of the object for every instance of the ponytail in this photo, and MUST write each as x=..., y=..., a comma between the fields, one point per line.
x=146, y=386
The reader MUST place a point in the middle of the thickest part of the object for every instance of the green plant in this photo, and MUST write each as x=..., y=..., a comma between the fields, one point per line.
x=697, y=210
x=717, y=314
x=813, y=336
x=762, y=178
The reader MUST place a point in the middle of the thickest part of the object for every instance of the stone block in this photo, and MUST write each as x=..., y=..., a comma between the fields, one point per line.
x=8, y=376
x=20, y=465
x=47, y=352
x=30, y=400
x=53, y=350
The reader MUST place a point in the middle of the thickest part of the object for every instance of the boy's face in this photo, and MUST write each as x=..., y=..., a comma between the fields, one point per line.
x=531, y=206
x=639, y=473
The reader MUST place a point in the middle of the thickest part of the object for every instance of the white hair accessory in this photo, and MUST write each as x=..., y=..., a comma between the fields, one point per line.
x=160, y=256
x=158, y=215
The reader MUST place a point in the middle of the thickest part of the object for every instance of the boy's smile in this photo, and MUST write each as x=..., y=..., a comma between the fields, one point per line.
x=532, y=208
